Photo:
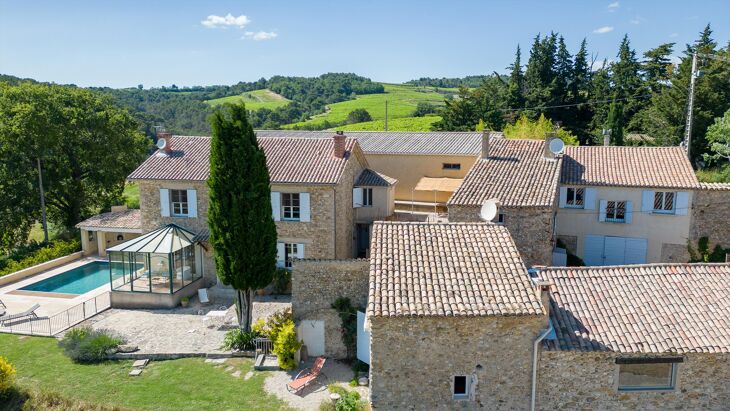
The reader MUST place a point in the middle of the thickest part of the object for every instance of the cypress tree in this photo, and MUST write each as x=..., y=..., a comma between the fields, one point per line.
x=242, y=232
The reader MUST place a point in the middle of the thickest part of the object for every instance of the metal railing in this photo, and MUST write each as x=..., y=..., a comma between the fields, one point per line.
x=50, y=326
x=263, y=345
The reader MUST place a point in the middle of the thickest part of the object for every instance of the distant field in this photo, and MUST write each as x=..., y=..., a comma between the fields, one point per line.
x=394, y=124
x=254, y=100
x=402, y=101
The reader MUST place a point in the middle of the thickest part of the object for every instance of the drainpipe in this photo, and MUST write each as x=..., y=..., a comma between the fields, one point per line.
x=544, y=289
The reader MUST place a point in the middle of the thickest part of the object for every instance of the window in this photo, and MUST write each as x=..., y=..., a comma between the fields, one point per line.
x=664, y=202
x=290, y=206
x=500, y=218
x=575, y=197
x=367, y=197
x=179, y=202
x=291, y=250
x=616, y=211
x=647, y=376
x=452, y=166
x=461, y=387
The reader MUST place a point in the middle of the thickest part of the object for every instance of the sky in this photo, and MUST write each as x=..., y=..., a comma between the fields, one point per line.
x=156, y=43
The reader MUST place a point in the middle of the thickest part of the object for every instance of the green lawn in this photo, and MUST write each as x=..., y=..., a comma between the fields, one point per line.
x=131, y=195
x=184, y=384
x=254, y=100
x=394, y=124
x=402, y=101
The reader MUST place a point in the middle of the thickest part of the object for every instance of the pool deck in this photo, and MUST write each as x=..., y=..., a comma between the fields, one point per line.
x=50, y=303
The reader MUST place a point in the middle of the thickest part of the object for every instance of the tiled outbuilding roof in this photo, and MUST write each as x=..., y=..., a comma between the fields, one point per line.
x=517, y=173
x=447, y=269
x=623, y=166
x=289, y=160
x=127, y=220
x=715, y=186
x=371, y=178
x=655, y=308
x=400, y=142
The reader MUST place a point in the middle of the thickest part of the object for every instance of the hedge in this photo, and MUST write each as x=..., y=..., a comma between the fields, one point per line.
x=54, y=250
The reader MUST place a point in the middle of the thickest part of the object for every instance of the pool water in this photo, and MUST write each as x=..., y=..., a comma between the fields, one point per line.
x=78, y=280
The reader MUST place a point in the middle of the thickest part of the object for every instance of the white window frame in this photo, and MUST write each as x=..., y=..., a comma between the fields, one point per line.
x=177, y=207
x=568, y=198
x=663, y=194
x=612, y=218
x=367, y=197
x=467, y=385
x=291, y=209
x=674, y=368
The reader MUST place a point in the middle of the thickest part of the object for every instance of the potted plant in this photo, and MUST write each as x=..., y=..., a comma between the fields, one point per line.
x=184, y=302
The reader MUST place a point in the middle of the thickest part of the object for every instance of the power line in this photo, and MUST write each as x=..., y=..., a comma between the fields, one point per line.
x=587, y=103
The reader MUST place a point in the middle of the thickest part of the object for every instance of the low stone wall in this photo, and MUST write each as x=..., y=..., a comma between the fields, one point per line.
x=316, y=284
x=531, y=229
x=711, y=215
x=587, y=380
x=36, y=269
x=413, y=361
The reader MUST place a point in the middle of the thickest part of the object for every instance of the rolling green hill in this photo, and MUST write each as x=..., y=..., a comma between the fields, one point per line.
x=402, y=101
x=394, y=124
x=254, y=100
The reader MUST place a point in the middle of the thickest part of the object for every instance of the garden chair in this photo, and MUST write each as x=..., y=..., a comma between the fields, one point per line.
x=306, y=376
x=3, y=308
x=30, y=313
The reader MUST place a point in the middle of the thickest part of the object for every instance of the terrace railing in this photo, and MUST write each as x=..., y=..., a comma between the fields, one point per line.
x=50, y=326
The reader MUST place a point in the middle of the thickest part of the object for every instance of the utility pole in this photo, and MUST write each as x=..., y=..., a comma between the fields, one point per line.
x=43, y=200
x=386, y=114
x=690, y=104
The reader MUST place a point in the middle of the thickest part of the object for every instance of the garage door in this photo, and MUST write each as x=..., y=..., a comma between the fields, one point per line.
x=609, y=250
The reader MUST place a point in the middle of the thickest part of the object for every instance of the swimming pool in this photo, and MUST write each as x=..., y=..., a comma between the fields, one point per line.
x=77, y=280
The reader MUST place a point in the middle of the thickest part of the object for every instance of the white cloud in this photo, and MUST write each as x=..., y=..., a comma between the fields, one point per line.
x=613, y=6
x=260, y=35
x=637, y=20
x=603, y=30
x=673, y=35
x=229, y=20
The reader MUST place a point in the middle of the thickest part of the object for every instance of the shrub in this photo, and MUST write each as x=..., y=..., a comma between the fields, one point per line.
x=703, y=254
x=282, y=279
x=348, y=317
x=41, y=255
x=286, y=346
x=349, y=400
x=359, y=115
x=240, y=340
x=259, y=327
x=7, y=376
x=85, y=345
x=276, y=322
x=424, y=108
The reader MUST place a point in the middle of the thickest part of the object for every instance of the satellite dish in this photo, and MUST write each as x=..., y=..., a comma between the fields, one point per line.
x=556, y=146
x=489, y=210
x=161, y=143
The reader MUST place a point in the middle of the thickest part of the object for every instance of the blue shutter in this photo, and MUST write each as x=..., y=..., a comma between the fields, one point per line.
x=629, y=212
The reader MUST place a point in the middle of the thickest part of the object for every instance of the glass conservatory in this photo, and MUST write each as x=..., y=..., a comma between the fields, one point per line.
x=163, y=261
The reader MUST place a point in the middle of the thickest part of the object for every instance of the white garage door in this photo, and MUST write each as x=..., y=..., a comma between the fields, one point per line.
x=609, y=250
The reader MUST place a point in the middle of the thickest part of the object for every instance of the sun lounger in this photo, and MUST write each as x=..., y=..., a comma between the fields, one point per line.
x=2, y=308
x=306, y=376
x=29, y=313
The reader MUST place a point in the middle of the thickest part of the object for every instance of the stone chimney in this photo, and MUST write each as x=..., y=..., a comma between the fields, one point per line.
x=546, y=145
x=168, y=140
x=485, y=144
x=607, y=140
x=339, y=150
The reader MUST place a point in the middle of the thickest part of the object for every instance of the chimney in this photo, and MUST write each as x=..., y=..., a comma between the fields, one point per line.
x=606, y=137
x=546, y=145
x=339, y=150
x=485, y=144
x=167, y=138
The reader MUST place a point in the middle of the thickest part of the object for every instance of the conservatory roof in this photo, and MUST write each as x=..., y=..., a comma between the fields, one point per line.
x=164, y=240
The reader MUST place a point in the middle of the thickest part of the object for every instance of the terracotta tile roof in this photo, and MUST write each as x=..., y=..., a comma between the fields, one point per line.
x=399, y=142
x=127, y=219
x=715, y=186
x=651, y=308
x=622, y=166
x=447, y=269
x=516, y=173
x=289, y=160
x=371, y=178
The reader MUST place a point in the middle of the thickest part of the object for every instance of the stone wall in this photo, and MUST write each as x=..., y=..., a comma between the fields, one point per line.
x=413, y=361
x=318, y=234
x=587, y=380
x=711, y=216
x=316, y=284
x=531, y=229
x=345, y=235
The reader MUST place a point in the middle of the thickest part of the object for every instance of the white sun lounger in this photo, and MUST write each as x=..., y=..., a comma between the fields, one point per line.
x=30, y=313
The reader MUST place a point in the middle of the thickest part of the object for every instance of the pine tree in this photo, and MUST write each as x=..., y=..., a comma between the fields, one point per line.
x=657, y=67
x=563, y=80
x=627, y=90
x=600, y=92
x=615, y=123
x=515, y=99
x=242, y=232
x=579, y=91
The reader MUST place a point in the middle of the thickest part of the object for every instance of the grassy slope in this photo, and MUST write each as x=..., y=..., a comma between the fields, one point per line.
x=131, y=195
x=402, y=101
x=254, y=99
x=394, y=124
x=185, y=384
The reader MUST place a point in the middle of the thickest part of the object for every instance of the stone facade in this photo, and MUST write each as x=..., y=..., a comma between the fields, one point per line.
x=149, y=204
x=587, y=380
x=531, y=229
x=413, y=361
x=316, y=284
x=674, y=253
x=711, y=217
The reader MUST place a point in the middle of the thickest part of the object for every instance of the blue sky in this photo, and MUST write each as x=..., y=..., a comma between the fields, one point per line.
x=125, y=43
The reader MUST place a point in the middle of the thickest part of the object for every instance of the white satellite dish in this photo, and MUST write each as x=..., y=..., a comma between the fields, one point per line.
x=556, y=146
x=489, y=210
x=161, y=143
